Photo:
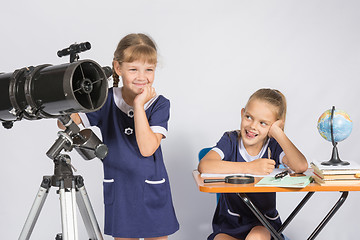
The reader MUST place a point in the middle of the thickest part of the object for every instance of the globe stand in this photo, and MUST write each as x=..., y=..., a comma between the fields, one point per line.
x=335, y=159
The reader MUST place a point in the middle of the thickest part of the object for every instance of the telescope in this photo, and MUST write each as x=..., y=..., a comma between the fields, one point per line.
x=48, y=91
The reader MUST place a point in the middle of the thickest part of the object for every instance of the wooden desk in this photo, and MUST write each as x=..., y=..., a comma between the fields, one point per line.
x=242, y=189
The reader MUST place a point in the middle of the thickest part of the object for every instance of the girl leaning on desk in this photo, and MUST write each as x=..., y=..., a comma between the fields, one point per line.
x=247, y=151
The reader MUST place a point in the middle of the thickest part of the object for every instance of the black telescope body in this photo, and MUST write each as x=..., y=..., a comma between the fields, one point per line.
x=48, y=91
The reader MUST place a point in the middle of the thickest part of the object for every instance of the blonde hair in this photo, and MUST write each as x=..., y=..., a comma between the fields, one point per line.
x=134, y=47
x=273, y=97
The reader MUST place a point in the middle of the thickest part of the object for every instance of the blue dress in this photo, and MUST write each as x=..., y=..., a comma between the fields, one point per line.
x=232, y=216
x=137, y=195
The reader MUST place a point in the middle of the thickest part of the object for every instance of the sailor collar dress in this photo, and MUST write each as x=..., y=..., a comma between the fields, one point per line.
x=137, y=197
x=232, y=216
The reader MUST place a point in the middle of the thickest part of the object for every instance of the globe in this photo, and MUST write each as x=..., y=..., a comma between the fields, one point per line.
x=342, y=125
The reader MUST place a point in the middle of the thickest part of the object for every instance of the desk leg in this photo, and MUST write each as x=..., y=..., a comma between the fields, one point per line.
x=329, y=215
x=260, y=216
x=296, y=211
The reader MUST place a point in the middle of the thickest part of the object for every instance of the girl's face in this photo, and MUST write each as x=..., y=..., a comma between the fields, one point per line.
x=256, y=121
x=135, y=75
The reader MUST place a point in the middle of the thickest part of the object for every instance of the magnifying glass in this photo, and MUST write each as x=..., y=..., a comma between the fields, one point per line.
x=235, y=179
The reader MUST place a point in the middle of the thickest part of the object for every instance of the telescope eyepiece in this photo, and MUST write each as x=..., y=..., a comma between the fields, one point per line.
x=74, y=48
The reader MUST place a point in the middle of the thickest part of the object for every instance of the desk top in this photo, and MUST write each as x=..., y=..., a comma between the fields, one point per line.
x=221, y=187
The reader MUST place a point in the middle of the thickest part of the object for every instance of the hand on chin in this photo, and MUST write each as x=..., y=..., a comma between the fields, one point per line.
x=145, y=95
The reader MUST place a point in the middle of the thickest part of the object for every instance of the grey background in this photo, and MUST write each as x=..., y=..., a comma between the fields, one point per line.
x=213, y=55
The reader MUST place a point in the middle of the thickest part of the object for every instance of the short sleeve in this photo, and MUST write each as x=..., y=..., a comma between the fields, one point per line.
x=225, y=147
x=92, y=118
x=159, y=116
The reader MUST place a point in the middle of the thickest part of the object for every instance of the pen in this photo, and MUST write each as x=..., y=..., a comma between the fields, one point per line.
x=269, y=155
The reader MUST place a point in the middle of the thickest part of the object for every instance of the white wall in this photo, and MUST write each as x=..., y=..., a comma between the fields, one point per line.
x=213, y=55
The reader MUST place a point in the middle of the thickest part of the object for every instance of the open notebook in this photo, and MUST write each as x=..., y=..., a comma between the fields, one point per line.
x=292, y=182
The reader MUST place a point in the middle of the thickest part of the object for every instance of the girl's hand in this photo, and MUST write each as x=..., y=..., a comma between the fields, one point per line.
x=261, y=166
x=147, y=93
x=275, y=128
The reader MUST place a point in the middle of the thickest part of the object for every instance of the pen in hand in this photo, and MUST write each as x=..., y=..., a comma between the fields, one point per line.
x=269, y=155
x=279, y=175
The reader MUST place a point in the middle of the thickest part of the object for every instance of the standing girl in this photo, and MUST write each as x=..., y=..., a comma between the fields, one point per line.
x=133, y=121
x=246, y=151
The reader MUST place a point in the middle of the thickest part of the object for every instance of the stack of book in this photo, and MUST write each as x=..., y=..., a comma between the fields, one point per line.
x=336, y=175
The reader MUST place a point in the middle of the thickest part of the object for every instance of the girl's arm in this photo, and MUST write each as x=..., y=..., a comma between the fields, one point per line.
x=212, y=163
x=147, y=140
x=293, y=157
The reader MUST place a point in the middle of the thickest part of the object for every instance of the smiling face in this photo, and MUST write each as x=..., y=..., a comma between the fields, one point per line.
x=256, y=120
x=135, y=76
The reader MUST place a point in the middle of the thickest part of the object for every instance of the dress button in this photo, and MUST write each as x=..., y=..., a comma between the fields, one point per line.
x=128, y=131
x=130, y=113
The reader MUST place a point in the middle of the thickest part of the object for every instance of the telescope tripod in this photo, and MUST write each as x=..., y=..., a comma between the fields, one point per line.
x=71, y=191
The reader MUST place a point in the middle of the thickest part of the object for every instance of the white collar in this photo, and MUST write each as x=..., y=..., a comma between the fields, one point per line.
x=246, y=156
x=123, y=106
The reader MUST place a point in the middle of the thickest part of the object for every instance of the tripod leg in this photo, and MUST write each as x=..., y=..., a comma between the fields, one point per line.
x=87, y=211
x=36, y=209
x=68, y=212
